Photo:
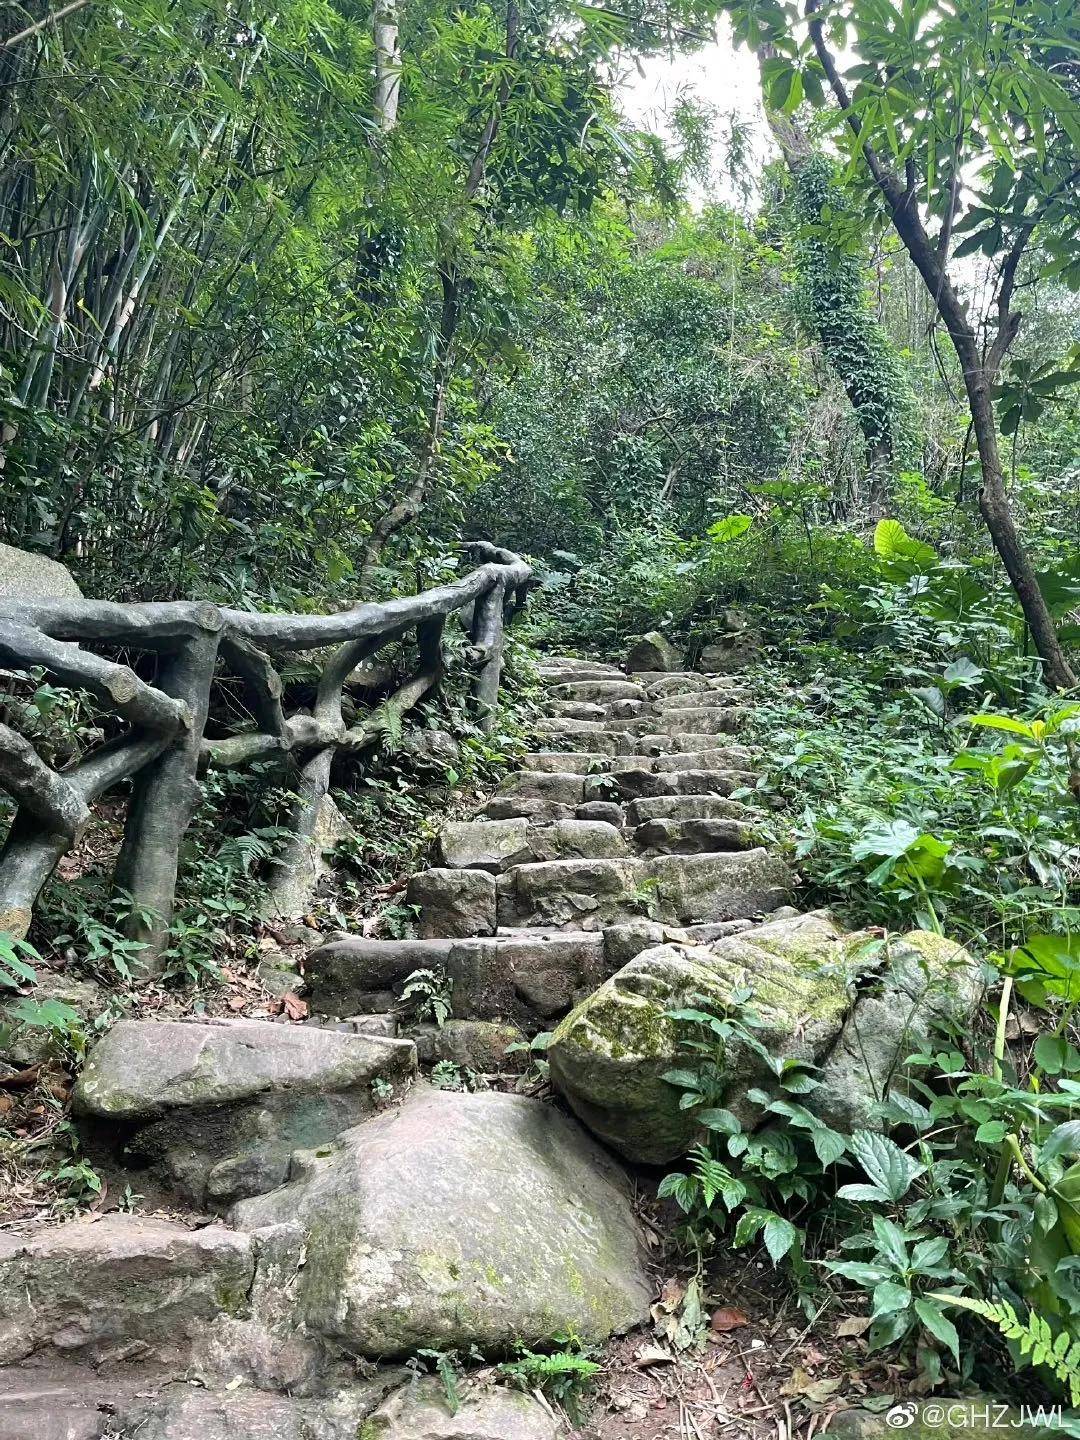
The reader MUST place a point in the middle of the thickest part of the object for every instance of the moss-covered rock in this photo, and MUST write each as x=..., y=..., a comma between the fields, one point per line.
x=917, y=980
x=460, y=1220
x=609, y=1056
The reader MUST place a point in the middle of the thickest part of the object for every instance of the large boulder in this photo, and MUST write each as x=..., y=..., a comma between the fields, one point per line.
x=218, y=1108
x=92, y=1287
x=609, y=1056
x=738, y=644
x=26, y=576
x=652, y=652
x=458, y=1220
x=421, y=1413
x=919, y=980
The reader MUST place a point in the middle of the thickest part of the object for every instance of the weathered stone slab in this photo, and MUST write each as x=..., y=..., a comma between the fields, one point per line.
x=587, y=893
x=92, y=1285
x=692, y=837
x=507, y=977
x=483, y=1046
x=576, y=839
x=581, y=761
x=733, y=757
x=143, y=1069
x=686, y=807
x=670, y=888
x=610, y=811
x=453, y=903
x=421, y=1413
x=598, y=692
x=355, y=976
x=562, y=788
x=483, y=844
x=218, y=1108
x=457, y=1220
x=644, y=784
x=533, y=808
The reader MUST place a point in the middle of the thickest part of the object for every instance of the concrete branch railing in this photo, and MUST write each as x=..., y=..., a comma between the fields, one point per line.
x=164, y=749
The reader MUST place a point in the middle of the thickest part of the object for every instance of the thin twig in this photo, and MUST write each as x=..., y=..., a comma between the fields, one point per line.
x=52, y=19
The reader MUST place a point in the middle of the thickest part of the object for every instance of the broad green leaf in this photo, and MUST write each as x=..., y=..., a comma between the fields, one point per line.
x=888, y=1167
x=939, y=1325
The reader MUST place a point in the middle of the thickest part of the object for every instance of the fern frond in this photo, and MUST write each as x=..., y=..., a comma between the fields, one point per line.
x=1034, y=1336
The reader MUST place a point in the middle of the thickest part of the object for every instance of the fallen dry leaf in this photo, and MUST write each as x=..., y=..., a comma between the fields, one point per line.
x=801, y=1386
x=728, y=1318
x=650, y=1355
x=295, y=1008
x=21, y=1078
x=237, y=1002
x=853, y=1325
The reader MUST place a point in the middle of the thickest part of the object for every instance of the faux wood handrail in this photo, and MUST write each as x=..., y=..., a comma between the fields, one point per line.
x=164, y=749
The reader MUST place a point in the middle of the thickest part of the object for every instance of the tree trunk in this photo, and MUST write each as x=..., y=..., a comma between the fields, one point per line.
x=997, y=514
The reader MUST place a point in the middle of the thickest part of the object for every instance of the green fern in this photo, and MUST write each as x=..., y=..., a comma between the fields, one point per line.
x=1037, y=1341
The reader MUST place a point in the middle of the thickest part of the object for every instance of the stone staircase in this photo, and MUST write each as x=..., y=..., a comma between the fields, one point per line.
x=613, y=871
x=623, y=829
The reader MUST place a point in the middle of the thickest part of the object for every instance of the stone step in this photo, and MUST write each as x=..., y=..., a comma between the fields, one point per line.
x=674, y=889
x=216, y=1108
x=564, y=787
x=527, y=974
x=579, y=666
x=597, y=692
x=710, y=720
x=97, y=1287
x=691, y=740
x=550, y=761
x=595, y=739
x=671, y=682
x=567, y=725
x=577, y=710
x=693, y=837
x=637, y=784
x=599, y=741
x=731, y=757
x=453, y=904
x=588, y=762
x=466, y=903
x=687, y=807
x=700, y=700
x=496, y=845
x=539, y=811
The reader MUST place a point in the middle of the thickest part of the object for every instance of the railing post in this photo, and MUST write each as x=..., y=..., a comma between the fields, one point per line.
x=487, y=638
x=164, y=797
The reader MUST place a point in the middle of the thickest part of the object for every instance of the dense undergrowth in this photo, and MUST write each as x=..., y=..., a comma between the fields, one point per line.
x=918, y=776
